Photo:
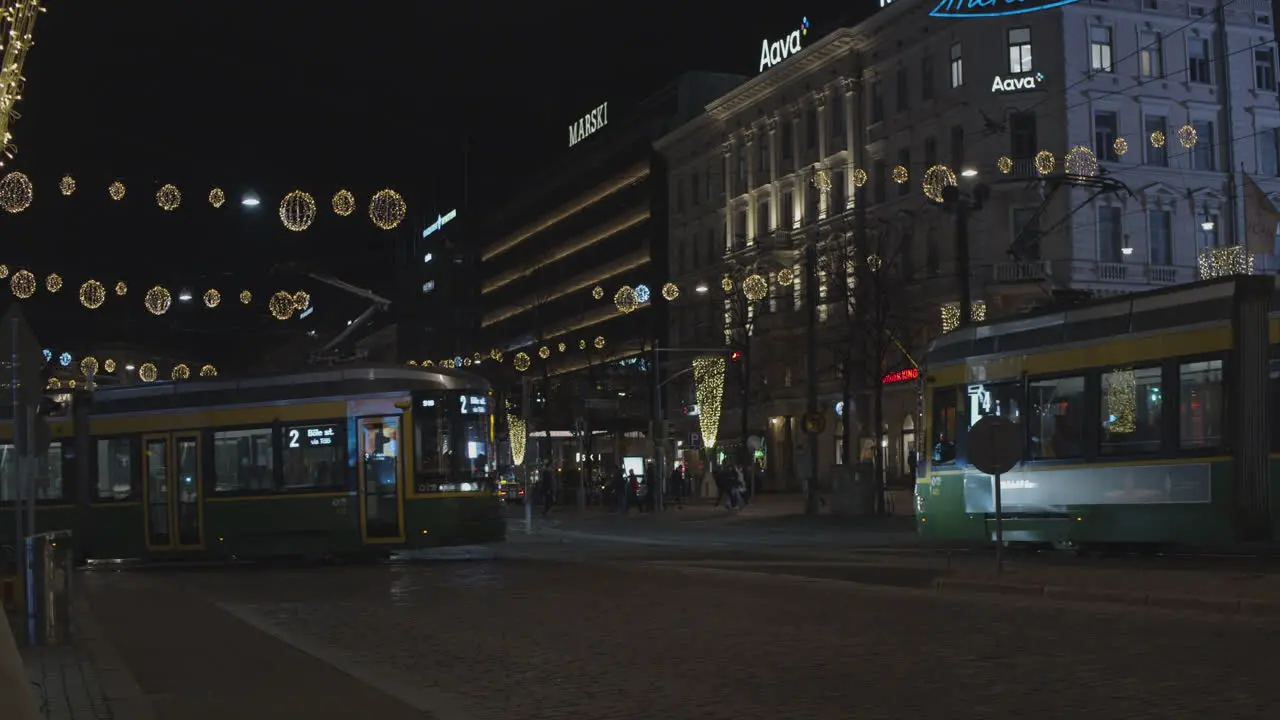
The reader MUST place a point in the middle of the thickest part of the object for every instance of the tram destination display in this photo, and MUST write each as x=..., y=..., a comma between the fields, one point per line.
x=311, y=436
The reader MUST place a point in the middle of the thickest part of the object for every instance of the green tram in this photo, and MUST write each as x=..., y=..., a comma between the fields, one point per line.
x=1150, y=420
x=326, y=464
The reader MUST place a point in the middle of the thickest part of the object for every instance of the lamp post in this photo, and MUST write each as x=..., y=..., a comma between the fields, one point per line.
x=659, y=423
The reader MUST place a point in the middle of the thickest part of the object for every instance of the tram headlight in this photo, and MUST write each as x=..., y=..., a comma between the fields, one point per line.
x=468, y=487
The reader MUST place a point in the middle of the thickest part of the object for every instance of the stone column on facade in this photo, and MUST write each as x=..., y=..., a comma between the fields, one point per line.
x=851, y=134
x=800, y=186
x=727, y=150
x=748, y=146
x=820, y=108
x=775, y=217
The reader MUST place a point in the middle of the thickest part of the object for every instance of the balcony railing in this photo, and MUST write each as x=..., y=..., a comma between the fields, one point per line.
x=1021, y=271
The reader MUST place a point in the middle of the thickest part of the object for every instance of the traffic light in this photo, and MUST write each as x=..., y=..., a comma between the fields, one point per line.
x=736, y=356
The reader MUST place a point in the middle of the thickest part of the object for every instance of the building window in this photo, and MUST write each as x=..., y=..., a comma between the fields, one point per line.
x=930, y=151
x=1264, y=69
x=244, y=461
x=115, y=469
x=742, y=171
x=1106, y=128
x=1152, y=155
x=904, y=159
x=880, y=180
x=1160, y=237
x=837, y=114
x=1025, y=234
x=762, y=155
x=786, y=210
x=1150, y=55
x=1100, y=49
x=1057, y=418
x=1201, y=400
x=1130, y=409
x=679, y=194
x=786, y=138
x=957, y=66
x=957, y=147
x=310, y=462
x=1268, y=154
x=877, y=102
x=1198, y=61
x=762, y=216
x=1207, y=230
x=1203, y=155
x=1022, y=135
x=1110, y=234
x=926, y=78
x=1020, y=50
x=811, y=127
x=836, y=199
x=904, y=90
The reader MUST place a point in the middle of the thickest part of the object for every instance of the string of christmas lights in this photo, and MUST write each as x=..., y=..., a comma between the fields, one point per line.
x=17, y=30
x=298, y=209
x=90, y=367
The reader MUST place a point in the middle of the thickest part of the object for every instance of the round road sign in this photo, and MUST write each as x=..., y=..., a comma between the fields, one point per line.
x=995, y=445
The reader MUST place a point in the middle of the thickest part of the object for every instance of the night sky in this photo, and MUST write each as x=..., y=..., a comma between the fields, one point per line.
x=282, y=95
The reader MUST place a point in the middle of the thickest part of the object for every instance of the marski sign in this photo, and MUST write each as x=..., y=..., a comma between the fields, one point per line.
x=772, y=53
x=1017, y=83
x=993, y=8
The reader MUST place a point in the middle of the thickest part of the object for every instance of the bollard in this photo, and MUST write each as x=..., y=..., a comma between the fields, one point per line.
x=48, y=587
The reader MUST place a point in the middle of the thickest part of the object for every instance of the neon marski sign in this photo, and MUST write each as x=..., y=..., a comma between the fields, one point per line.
x=993, y=8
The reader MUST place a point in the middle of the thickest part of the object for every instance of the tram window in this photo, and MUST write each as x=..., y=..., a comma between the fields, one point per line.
x=313, y=457
x=1201, y=397
x=115, y=469
x=1131, y=411
x=1057, y=417
x=943, y=426
x=48, y=479
x=431, y=436
x=243, y=461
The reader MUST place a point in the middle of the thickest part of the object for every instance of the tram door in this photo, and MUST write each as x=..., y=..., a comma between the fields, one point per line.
x=381, y=478
x=172, y=492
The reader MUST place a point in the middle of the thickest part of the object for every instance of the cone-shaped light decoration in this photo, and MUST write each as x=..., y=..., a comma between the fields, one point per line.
x=516, y=431
x=708, y=385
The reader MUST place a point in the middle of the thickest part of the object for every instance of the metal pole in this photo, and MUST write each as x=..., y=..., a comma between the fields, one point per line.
x=33, y=467
x=659, y=433
x=528, y=480
x=999, y=529
x=811, y=286
x=16, y=482
x=963, y=270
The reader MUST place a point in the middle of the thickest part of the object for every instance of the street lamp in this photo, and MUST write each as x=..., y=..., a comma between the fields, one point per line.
x=250, y=199
x=184, y=296
x=969, y=172
x=701, y=288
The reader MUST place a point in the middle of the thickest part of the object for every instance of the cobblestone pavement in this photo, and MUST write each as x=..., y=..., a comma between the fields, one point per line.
x=544, y=640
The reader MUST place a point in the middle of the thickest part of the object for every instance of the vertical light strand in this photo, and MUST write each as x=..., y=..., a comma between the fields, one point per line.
x=708, y=384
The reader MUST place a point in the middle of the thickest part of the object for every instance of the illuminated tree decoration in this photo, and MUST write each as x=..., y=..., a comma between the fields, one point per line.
x=582, y=344
x=642, y=294
x=1004, y=165
x=859, y=177
x=281, y=305
x=301, y=300
x=180, y=372
x=950, y=316
x=599, y=342
x=23, y=284
x=786, y=276
x=344, y=203
x=936, y=179
x=755, y=287
x=121, y=289
x=147, y=372
x=208, y=371
x=1215, y=262
x=726, y=284
x=978, y=310
x=625, y=299
x=212, y=298
x=1119, y=390
x=67, y=185
x=1120, y=146
x=544, y=352
x=89, y=366
x=16, y=192
x=298, y=210
x=597, y=292
x=516, y=433
x=1157, y=139
x=1188, y=136
x=92, y=294
x=387, y=209
x=522, y=362
x=561, y=347
x=1081, y=162
x=670, y=291
x=109, y=365
x=4, y=271
x=116, y=190
x=1045, y=162
x=217, y=197
x=708, y=385
x=900, y=174
x=53, y=283
x=158, y=300
x=246, y=297
x=168, y=198
x=495, y=354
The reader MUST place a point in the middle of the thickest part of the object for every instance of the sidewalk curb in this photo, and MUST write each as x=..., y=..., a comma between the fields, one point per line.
x=1166, y=601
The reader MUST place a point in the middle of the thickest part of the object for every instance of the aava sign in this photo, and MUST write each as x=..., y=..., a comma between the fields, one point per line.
x=772, y=53
x=1016, y=83
x=993, y=8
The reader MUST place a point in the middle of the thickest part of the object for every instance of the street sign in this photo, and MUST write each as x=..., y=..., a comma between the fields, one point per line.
x=814, y=422
x=995, y=445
